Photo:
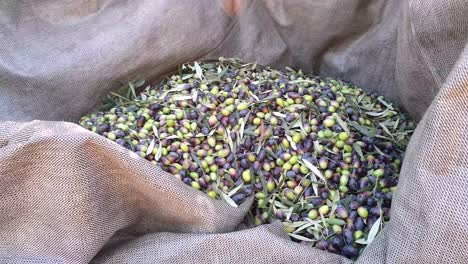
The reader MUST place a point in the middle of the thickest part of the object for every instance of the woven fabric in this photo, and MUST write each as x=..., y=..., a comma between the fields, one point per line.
x=70, y=196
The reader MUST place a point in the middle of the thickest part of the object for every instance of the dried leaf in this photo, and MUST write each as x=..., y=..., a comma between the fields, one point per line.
x=254, y=66
x=195, y=95
x=178, y=88
x=198, y=70
x=280, y=115
x=182, y=97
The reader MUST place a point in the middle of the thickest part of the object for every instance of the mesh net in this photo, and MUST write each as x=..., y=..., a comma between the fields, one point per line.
x=70, y=196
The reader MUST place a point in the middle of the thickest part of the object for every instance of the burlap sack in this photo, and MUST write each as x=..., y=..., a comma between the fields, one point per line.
x=70, y=196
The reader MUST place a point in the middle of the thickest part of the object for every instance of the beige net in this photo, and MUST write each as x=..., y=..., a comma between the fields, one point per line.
x=70, y=196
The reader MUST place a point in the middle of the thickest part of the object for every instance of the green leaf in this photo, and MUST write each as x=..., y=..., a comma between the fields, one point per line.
x=181, y=97
x=197, y=161
x=285, y=201
x=158, y=153
x=389, y=106
x=377, y=114
x=295, y=106
x=229, y=140
x=358, y=149
x=384, y=127
x=263, y=181
x=255, y=97
x=295, y=224
x=363, y=129
x=139, y=82
x=302, y=227
x=379, y=151
x=289, y=212
x=293, y=144
x=336, y=200
x=150, y=148
x=361, y=241
x=374, y=230
x=271, y=153
x=345, y=202
x=365, y=189
x=235, y=190
x=342, y=123
x=187, y=76
x=397, y=122
x=228, y=199
x=315, y=170
x=178, y=88
x=280, y=205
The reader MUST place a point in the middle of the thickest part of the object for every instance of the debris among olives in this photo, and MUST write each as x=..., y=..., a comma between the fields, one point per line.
x=321, y=155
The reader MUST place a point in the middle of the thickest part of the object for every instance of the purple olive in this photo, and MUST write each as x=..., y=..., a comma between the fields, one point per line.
x=349, y=251
x=359, y=224
x=322, y=244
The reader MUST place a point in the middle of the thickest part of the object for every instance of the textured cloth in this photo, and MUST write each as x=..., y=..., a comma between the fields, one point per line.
x=70, y=196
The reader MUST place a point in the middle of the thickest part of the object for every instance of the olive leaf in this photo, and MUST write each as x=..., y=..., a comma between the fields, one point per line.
x=374, y=230
x=342, y=123
x=228, y=199
x=150, y=147
x=358, y=150
x=235, y=190
x=199, y=71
